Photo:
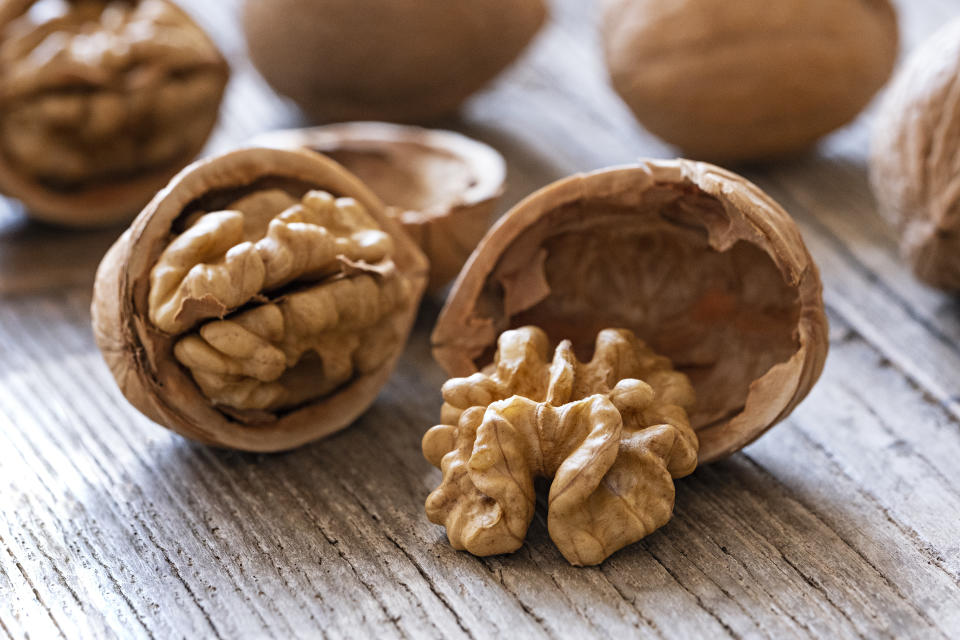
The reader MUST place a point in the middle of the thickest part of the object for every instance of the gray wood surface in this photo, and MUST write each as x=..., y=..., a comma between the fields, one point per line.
x=843, y=522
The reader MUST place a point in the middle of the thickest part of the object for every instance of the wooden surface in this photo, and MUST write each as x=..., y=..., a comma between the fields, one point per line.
x=843, y=522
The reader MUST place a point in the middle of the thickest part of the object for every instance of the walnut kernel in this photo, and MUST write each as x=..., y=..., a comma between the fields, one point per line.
x=610, y=434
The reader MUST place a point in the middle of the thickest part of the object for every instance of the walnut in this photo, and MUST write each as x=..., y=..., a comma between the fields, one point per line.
x=101, y=102
x=748, y=79
x=440, y=185
x=610, y=435
x=696, y=261
x=384, y=59
x=259, y=302
x=915, y=160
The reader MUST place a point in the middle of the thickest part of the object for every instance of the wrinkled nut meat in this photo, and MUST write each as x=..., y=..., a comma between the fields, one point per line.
x=915, y=160
x=394, y=60
x=440, y=185
x=259, y=302
x=100, y=103
x=694, y=260
x=748, y=79
x=610, y=435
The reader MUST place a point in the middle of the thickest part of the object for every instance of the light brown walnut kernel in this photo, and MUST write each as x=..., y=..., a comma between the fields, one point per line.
x=610, y=434
x=306, y=345
x=225, y=258
x=102, y=101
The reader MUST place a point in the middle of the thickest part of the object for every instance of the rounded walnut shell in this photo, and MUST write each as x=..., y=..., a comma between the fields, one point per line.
x=440, y=185
x=747, y=79
x=140, y=355
x=396, y=60
x=915, y=161
x=131, y=110
x=695, y=260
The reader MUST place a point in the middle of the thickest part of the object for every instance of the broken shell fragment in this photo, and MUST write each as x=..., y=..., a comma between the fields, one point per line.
x=440, y=185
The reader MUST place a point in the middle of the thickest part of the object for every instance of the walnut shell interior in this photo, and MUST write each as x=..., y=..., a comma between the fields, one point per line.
x=440, y=185
x=696, y=261
x=259, y=302
x=101, y=103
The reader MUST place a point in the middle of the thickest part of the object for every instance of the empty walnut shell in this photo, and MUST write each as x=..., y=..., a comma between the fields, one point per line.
x=440, y=185
x=748, y=79
x=695, y=260
x=384, y=59
x=915, y=161
x=101, y=103
x=259, y=302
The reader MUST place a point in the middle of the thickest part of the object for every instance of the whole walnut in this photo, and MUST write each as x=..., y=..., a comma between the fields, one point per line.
x=259, y=302
x=101, y=102
x=748, y=79
x=396, y=60
x=915, y=161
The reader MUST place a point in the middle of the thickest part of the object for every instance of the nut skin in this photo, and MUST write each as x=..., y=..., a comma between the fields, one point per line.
x=915, y=158
x=747, y=80
x=140, y=355
x=695, y=260
x=611, y=435
x=394, y=60
x=442, y=187
x=146, y=105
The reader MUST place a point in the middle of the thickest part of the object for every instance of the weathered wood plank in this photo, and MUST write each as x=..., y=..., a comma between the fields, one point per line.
x=840, y=523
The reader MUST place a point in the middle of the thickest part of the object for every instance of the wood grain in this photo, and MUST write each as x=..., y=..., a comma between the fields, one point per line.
x=844, y=522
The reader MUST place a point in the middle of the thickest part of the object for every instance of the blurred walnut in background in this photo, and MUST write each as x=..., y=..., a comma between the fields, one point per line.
x=915, y=161
x=395, y=60
x=748, y=79
x=100, y=103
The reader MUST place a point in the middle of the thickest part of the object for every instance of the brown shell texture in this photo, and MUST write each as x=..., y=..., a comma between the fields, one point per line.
x=695, y=260
x=259, y=302
x=610, y=435
x=100, y=104
x=404, y=60
x=915, y=160
x=440, y=185
x=749, y=79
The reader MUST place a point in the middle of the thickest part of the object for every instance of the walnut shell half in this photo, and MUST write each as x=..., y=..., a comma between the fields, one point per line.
x=696, y=261
x=259, y=302
x=101, y=103
x=747, y=79
x=915, y=160
x=440, y=185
